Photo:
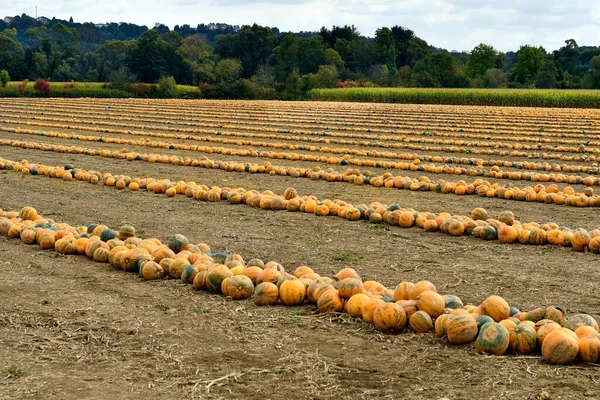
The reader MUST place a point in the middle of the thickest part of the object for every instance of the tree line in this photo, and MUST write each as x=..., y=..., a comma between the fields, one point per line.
x=225, y=60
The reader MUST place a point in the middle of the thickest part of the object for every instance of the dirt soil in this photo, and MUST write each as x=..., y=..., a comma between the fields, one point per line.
x=73, y=329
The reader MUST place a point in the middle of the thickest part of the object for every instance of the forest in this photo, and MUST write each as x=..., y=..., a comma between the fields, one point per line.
x=226, y=60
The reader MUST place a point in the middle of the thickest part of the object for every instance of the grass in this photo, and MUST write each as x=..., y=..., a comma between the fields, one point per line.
x=14, y=371
x=346, y=257
x=201, y=310
x=474, y=97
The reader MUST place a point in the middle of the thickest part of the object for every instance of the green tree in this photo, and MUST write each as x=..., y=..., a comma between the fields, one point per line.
x=200, y=59
x=482, y=58
x=4, y=78
x=530, y=61
x=252, y=45
x=417, y=50
x=311, y=55
x=146, y=57
x=327, y=77
x=385, y=49
x=495, y=78
x=546, y=78
x=229, y=70
x=12, y=56
x=567, y=57
x=167, y=87
x=332, y=57
x=592, y=79
x=403, y=77
x=439, y=70
x=402, y=37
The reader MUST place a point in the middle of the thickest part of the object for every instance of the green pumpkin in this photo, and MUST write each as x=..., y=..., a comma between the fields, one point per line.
x=493, y=338
x=177, y=242
x=453, y=302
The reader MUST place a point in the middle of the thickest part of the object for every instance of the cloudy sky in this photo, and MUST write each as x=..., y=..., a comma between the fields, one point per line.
x=451, y=24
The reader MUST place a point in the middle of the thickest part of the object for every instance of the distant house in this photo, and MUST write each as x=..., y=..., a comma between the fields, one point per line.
x=43, y=20
x=101, y=25
x=8, y=20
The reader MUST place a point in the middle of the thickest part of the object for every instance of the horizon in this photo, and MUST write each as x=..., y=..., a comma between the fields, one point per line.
x=459, y=29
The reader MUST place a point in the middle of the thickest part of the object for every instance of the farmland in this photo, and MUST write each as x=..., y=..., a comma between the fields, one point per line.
x=368, y=181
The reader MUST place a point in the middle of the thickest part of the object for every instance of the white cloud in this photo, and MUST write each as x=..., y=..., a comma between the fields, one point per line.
x=452, y=24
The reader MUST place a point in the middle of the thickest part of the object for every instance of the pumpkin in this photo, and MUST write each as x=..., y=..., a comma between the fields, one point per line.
x=292, y=292
x=348, y=287
x=580, y=240
x=493, y=339
x=268, y=275
x=482, y=320
x=289, y=193
x=302, y=270
x=151, y=271
x=594, y=245
x=544, y=328
x=585, y=330
x=561, y=346
x=496, y=307
x=452, y=301
x=108, y=234
x=240, y=287
x=420, y=287
x=347, y=273
x=389, y=318
x=65, y=246
x=576, y=320
x=589, y=348
x=252, y=273
x=266, y=294
x=162, y=253
x=455, y=227
x=316, y=289
x=420, y=322
x=440, y=325
x=177, y=267
x=402, y=291
x=461, y=329
x=507, y=234
x=354, y=304
x=28, y=236
x=126, y=232
x=479, y=214
x=330, y=301
x=189, y=273
x=556, y=314
x=215, y=277
x=536, y=314
x=28, y=213
x=431, y=302
x=47, y=241
x=92, y=245
x=522, y=339
x=375, y=287
x=200, y=280
x=177, y=242
x=409, y=307
x=367, y=309
x=100, y=255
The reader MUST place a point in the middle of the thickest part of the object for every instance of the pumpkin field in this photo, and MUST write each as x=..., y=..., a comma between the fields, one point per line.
x=256, y=249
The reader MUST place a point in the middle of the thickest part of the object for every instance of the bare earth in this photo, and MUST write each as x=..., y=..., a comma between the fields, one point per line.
x=79, y=329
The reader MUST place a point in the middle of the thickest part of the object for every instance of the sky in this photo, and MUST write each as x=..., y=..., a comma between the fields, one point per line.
x=450, y=24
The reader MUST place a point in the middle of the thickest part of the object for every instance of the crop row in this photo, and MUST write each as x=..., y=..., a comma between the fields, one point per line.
x=494, y=326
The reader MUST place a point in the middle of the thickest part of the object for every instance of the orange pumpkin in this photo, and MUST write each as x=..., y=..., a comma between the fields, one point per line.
x=440, y=325
x=420, y=287
x=330, y=301
x=522, y=339
x=292, y=292
x=585, y=330
x=354, y=304
x=561, y=346
x=402, y=291
x=420, y=322
x=389, y=318
x=240, y=287
x=200, y=280
x=461, y=329
x=367, y=309
x=496, y=307
x=431, y=302
x=266, y=294
x=589, y=348
x=348, y=287
x=151, y=271
x=493, y=338
x=347, y=273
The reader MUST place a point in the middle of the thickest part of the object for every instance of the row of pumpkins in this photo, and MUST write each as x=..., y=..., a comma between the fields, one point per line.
x=344, y=157
x=301, y=126
x=505, y=227
x=494, y=326
x=551, y=194
x=402, y=140
x=255, y=129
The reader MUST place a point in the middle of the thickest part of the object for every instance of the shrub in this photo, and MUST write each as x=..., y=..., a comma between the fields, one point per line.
x=140, y=89
x=4, y=78
x=69, y=86
x=42, y=86
x=121, y=78
x=167, y=87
